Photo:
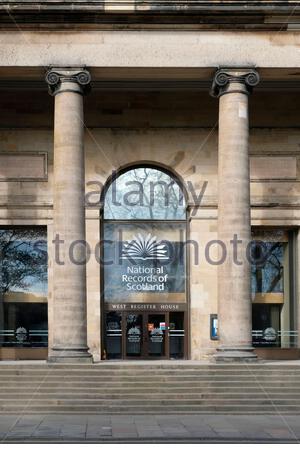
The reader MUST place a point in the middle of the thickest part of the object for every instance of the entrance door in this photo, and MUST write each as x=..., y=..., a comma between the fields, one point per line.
x=157, y=333
x=134, y=335
x=146, y=335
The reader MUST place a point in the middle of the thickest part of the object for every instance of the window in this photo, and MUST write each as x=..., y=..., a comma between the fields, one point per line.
x=267, y=273
x=144, y=193
x=23, y=287
x=273, y=312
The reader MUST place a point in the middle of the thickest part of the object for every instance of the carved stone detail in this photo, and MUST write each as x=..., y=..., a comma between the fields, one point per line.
x=234, y=80
x=68, y=80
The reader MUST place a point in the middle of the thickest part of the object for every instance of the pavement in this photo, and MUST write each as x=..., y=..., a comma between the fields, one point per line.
x=149, y=429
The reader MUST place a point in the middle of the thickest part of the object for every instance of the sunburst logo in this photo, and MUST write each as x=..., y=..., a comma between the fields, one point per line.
x=144, y=248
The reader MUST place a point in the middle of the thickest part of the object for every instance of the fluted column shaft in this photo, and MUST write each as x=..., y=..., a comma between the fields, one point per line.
x=69, y=266
x=234, y=226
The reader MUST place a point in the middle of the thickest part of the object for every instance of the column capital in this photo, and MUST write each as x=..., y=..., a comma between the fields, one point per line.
x=231, y=80
x=68, y=80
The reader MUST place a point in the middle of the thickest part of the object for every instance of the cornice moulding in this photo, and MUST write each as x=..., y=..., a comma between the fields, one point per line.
x=153, y=6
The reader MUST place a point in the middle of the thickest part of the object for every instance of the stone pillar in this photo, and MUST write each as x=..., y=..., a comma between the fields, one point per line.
x=233, y=86
x=69, y=261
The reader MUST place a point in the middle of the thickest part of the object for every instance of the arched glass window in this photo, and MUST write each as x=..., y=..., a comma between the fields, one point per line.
x=144, y=265
x=144, y=193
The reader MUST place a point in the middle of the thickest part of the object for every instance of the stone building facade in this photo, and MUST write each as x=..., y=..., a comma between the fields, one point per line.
x=202, y=93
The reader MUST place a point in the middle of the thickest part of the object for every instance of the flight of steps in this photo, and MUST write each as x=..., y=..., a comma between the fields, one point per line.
x=171, y=388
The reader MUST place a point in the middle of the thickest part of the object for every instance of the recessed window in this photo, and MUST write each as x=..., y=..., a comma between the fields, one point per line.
x=23, y=287
x=272, y=281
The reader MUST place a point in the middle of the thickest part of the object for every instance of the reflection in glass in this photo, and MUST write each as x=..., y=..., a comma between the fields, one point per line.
x=274, y=322
x=141, y=279
x=134, y=334
x=267, y=270
x=144, y=193
x=266, y=325
x=176, y=335
x=156, y=334
x=23, y=287
x=113, y=323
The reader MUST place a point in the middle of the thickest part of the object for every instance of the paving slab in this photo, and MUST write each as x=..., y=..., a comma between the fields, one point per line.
x=150, y=431
x=280, y=433
x=152, y=428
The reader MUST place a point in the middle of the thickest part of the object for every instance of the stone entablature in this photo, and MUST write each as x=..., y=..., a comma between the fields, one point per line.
x=162, y=5
x=199, y=14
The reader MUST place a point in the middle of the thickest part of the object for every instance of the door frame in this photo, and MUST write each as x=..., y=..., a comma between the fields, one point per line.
x=145, y=335
x=187, y=314
x=145, y=314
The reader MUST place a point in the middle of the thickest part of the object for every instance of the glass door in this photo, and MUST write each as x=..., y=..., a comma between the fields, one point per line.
x=143, y=335
x=177, y=335
x=134, y=335
x=113, y=334
x=157, y=329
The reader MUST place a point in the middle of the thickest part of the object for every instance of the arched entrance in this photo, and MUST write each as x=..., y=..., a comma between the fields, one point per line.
x=144, y=272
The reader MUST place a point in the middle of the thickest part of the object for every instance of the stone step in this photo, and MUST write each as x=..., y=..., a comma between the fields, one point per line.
x=157, y=388
x=99, y=370
x=205, y=409
x=148, y=366
x=147, y=397
x=160, y=375
x=149, y=385
x=133, y=389
x=178, y=375
x=94, y=369
x=160, y=392
x=151, y=380
x=122, y=401
x=175, y=374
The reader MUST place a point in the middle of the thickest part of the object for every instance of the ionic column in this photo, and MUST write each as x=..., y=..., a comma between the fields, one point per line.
x=69, y=260
x=233, y=86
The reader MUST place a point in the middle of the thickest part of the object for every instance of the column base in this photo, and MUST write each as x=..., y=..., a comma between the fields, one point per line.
x=233, y=354
x=69, y=356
